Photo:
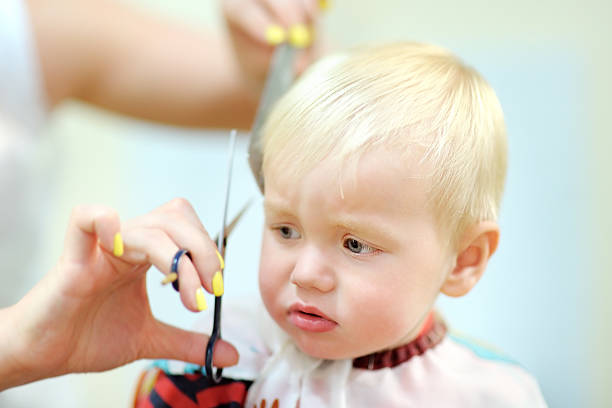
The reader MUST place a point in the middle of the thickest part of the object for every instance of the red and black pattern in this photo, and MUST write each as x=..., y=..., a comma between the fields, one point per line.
x=157, y=389
x=431, y=335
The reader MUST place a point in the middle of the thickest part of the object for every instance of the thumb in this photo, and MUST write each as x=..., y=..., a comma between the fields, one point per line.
x=170, y=342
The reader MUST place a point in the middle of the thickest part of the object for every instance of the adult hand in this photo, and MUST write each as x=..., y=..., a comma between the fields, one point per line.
x=249, y=23
x=92, y=313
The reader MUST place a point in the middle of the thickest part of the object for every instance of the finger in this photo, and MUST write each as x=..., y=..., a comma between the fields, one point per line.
x=251, y=18
x=178, y=344
x=156, y=247
x=322, y=5
x=295, y=18
x=88, y=225
x=286, y=13
x=312, y=10
x=177, y=207
x=190, y=288
x=180, y=222
x=203, y=250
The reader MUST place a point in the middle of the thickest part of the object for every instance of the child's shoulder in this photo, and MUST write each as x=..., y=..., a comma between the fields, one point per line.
x=484, y=375
x=458, y=372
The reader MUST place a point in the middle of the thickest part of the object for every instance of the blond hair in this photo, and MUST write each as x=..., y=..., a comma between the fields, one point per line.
x=406, y=96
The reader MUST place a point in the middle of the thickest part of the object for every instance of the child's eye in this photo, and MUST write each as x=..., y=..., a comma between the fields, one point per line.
x=358, y=247
x=287, y=232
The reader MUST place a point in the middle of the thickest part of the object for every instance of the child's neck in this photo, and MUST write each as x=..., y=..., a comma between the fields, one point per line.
x=431, y=333
x=427, y=324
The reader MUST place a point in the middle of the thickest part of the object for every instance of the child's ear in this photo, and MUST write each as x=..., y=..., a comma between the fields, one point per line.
x=476, y=246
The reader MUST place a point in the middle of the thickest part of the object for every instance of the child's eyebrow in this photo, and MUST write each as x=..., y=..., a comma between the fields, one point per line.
x=275, y=207
x=373, y=230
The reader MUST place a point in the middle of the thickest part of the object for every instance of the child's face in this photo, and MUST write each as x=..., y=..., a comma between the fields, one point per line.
x=345, y=277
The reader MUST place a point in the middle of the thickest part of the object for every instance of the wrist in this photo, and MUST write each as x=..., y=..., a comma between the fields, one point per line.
x=22, y=344
x=13, y=347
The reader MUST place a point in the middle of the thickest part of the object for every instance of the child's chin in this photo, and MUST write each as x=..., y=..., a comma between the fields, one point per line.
x=323, y=351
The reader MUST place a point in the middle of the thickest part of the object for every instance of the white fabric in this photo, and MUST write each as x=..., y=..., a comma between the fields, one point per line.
x=21, y=95
x=22, y=114
x=25, y=175
x=449, y=375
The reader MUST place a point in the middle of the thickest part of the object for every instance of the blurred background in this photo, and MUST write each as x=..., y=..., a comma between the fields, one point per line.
x=545, y=299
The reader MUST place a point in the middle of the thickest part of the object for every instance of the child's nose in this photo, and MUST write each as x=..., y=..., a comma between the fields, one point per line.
x=311, y=271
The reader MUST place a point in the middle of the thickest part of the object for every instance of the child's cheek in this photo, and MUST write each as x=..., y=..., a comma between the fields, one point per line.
x=270, y=285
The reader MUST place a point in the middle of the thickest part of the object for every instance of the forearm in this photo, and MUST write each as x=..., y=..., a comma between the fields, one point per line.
x=107, y=54
x=194, y=83
x=12, y=371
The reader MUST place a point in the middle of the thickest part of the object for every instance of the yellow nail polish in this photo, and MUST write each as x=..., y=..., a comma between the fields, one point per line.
x=201, y=300
x=171, y=277
x=324, y=4
x=221, y=261
x=275, y=35
x=118, y=245
x=217, y=284
x=299, y=36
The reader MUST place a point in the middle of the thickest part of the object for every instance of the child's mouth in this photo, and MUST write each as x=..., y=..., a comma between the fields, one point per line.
x=310, y=319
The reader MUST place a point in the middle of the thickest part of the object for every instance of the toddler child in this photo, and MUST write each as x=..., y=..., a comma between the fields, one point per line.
x=384, y=169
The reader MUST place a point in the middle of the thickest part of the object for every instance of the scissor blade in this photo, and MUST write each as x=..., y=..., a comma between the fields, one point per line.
x=228, y=183
x=279, y=79
x=232, y=224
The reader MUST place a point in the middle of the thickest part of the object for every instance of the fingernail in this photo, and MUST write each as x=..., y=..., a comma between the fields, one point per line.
x=299, y=36
x=201, y=300
x=217, y=284
x=324, y=4
x=275, y=34
x=118, y=245
x=221, y=261
x=171, y=277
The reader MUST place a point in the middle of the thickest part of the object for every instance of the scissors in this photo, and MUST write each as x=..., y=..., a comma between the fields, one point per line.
x=215, y=375
x=279, y=78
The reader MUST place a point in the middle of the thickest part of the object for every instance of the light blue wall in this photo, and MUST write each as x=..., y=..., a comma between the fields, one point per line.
x=533, y=301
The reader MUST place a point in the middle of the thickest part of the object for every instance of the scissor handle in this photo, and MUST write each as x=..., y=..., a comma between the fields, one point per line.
x=212, y=373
